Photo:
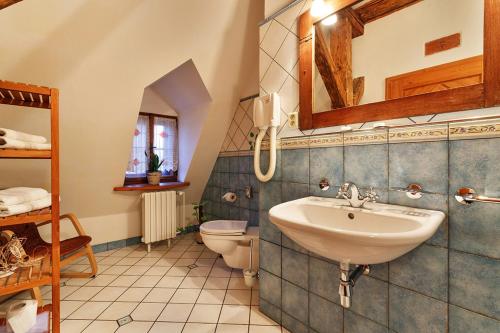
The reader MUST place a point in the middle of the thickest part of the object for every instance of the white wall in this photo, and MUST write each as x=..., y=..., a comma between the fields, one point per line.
x=102, y=54
x=272, y=6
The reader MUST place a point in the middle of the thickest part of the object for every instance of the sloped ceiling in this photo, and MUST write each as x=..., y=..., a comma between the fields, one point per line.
x=101, y=55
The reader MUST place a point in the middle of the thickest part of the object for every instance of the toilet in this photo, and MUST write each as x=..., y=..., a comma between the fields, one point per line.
x=232, y=239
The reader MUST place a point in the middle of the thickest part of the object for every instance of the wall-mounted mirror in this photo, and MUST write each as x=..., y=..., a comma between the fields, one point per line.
x=384, y=59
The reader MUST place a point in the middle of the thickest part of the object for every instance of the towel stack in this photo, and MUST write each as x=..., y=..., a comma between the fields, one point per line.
x=19, y=200
x=18, y=140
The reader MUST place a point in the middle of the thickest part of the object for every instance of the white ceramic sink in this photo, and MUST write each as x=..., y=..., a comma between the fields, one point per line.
x=374, y=234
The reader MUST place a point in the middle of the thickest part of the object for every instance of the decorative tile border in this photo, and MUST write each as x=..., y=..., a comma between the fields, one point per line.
x=419, y=133
x=462, y=130
x=477, y=129
x=295, y=143
x=368, y=137
x=327, y=140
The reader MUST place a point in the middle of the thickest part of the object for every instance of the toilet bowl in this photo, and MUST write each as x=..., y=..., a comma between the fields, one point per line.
x=232, y=239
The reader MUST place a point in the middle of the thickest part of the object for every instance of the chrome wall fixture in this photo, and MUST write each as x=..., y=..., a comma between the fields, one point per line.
x=413, y=191
x=324, y=184
x=467, y=196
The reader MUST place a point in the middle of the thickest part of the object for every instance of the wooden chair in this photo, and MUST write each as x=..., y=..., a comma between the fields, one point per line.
x=71, y=249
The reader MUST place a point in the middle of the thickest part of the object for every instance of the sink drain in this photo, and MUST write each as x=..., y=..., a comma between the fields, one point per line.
x=351, y=216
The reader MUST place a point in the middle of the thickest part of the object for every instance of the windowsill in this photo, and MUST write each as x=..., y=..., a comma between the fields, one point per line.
x=148, y=187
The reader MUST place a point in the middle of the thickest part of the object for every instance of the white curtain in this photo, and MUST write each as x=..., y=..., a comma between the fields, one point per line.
x=138, y=161
x=165, y=143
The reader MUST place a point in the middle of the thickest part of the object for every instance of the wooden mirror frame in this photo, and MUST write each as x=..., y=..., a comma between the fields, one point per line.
x=486, y=94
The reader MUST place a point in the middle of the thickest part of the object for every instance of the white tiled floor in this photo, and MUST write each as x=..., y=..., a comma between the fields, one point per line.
x=157, y=292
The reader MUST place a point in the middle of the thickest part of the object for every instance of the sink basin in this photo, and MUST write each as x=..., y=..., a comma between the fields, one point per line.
x=373, y=234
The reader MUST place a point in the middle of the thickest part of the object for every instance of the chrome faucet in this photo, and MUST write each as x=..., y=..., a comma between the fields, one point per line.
x=350, y=192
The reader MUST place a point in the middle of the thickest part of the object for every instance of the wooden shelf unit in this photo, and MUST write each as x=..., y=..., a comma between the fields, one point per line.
x=27, y=95
x=23, y=153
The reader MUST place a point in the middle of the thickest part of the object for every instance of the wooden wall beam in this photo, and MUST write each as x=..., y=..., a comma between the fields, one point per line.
x=376, y=9
x=306, y=56
x=7, y=3
x=332, y=73
x=358, y=89
x=341, y=52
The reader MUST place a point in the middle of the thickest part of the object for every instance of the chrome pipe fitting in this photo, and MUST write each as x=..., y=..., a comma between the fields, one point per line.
x=348, y=280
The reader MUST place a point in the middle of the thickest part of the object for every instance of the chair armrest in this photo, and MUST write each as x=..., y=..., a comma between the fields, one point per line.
x=78, y=227
x=74, y=220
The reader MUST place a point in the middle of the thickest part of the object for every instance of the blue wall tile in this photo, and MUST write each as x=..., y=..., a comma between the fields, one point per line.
x=270, y=195
x=293, y=325
x=292, y=191
x=474, y=283
x=270, y=310
x=294, y=301
x=422, y=163
x=380, y=271
x=367, y=165
x=406, y=294
x=354, y=323
x=424, y=269
x=100, y=248
x=117, y=244
x=295, y=165
x=133, y=241
x=270, y=257
x=245, y=164
x=474, y=163
x=234, y=166
x=290, y=244
x=295, y=267
x=327, y=163
x=324, y=316
x=270, y=287
x=475, y=228
x=223, y=163
x=411, y=312
x=323, y=277
x=375, y=306
x=267, y=230
x=463, y=321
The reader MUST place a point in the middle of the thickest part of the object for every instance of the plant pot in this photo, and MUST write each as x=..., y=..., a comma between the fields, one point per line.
x=154, y=177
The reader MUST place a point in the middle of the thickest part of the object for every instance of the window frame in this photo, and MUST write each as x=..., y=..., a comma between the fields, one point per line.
x=133, y=180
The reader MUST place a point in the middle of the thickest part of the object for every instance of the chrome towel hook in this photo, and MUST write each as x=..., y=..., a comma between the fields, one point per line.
x=466, y=196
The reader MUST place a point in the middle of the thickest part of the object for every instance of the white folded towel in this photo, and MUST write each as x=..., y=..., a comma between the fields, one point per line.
x=19, y=195
x=26, y=207
x=15, y=209
x=5, y=132
x=6, y=142
x=42, y=203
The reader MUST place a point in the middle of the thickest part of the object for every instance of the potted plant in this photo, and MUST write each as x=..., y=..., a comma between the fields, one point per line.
x=154, y=173
x=200, y=218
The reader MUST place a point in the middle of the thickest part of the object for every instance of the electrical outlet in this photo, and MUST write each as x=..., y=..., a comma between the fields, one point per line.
x=293, y=119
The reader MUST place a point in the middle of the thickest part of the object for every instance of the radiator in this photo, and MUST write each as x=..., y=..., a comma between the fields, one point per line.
x=162, y=214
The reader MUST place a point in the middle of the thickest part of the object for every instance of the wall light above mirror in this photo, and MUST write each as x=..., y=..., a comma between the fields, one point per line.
x=376, y=60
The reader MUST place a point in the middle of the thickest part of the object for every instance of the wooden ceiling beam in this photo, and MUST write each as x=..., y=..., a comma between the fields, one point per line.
x=7, y=3
x=376, y=9
x=358, y=26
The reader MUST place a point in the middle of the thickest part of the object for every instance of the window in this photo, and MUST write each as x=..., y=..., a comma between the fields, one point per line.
x=153, y=134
